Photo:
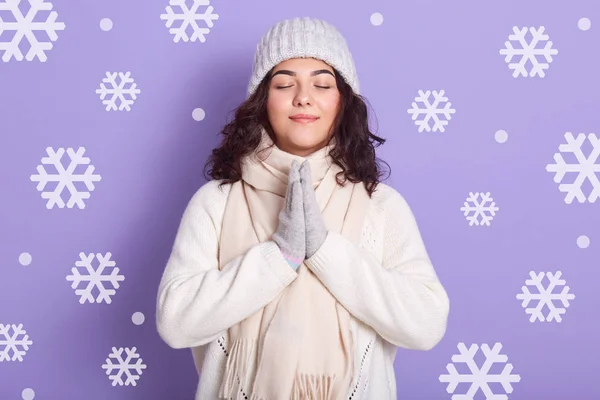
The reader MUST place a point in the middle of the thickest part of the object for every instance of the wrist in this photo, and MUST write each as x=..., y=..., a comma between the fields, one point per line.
x=293, y=261
x=315, y=242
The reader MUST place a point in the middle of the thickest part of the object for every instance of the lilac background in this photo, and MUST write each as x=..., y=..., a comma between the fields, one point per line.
x=151, y=160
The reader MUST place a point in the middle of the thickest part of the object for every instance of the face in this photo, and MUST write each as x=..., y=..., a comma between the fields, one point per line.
x=302, y=105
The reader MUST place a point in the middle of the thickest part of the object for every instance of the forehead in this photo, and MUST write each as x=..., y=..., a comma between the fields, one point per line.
x=302, y=65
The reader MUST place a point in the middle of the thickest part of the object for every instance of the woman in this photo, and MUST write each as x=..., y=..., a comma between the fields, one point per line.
x=295, y=273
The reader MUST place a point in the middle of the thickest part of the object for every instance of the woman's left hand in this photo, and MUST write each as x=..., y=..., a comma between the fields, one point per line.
x=316, y=231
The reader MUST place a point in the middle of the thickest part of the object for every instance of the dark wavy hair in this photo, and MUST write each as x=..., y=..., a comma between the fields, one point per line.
x=354, y=151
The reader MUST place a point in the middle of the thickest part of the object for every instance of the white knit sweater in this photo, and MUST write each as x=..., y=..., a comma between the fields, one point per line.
x=387, y=283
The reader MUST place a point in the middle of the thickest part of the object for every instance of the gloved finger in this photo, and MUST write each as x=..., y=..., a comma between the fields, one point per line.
x=294, y=174
x=293, y=182
x=308, y=192
x=305, y=176
x=296, y=202
x=305, y=171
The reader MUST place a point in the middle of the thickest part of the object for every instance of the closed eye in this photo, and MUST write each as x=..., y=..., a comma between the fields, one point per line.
x=289, y=86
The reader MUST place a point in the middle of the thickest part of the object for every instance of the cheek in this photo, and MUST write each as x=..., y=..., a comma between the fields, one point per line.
x=276, y=108
x=329, y=105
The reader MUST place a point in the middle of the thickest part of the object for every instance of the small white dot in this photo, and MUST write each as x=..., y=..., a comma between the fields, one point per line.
x=501, y=136
x=25, y=259
x=583, y=241
x=138, y=318
x=28, y=394
x=376, y=19
x=198, y=114
x=584, y=24
x=106, y=24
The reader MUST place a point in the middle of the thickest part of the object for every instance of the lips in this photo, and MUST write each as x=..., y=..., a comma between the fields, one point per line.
x=304, y=118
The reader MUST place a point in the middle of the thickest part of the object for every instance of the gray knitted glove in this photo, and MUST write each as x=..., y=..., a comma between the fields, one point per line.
x=316, y=231
x=290, y=234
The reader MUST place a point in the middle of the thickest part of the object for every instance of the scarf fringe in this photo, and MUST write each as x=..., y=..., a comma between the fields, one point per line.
x=238, y=374
x=312, y=387
x=308, y=387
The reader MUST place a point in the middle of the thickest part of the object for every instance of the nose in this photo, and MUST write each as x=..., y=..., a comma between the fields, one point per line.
x=302, y=97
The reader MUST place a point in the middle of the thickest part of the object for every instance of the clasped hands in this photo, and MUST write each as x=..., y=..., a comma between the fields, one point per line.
x=301, y=230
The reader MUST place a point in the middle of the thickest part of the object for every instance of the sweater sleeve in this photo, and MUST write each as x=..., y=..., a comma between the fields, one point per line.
x=196, y=301
x=400, y=298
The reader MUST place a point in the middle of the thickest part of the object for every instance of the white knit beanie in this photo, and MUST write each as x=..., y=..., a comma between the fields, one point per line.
x=303, y=38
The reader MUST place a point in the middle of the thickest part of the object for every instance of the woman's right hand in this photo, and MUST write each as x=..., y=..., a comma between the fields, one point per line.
x=290, y=235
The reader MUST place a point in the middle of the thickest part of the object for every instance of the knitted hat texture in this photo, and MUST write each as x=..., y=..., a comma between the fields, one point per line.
x=303, y=38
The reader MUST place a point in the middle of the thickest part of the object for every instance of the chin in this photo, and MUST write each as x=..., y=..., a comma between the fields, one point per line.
x=304, y=143
x=305, y=137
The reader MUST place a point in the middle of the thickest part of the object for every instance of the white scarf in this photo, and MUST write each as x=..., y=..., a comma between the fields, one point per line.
x=299, y=346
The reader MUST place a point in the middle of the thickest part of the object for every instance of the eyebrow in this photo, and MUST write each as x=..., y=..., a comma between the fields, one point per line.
x=313, y=73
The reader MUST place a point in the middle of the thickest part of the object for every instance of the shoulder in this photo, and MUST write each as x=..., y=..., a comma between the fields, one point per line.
x=391, y=208
x=387, y=198
x=212, y=190
x=209, y=198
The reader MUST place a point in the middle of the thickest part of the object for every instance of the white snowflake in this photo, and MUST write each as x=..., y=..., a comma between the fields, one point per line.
x=25, y=26
x=124, y=366
x=585, y=168
x=18, y=342
x=545, y=297
x=95, y=278
x=528, y=52
x=65, y=177
x=118, y=91
x=479, y=377
x=482, y=211
x=189, y=17
x=431, y=111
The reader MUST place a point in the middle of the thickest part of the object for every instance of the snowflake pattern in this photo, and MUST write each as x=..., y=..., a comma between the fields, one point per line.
x=585, y=168
x=189, y=17
x=528, y=52
x=65, y=178
x=25, y=26
x=479, y=211
x=431, y=111
x=18, y=342
x=124, y=366
x=479, y=378
x=95, y=278
x=545, y=297
x=121, y=97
